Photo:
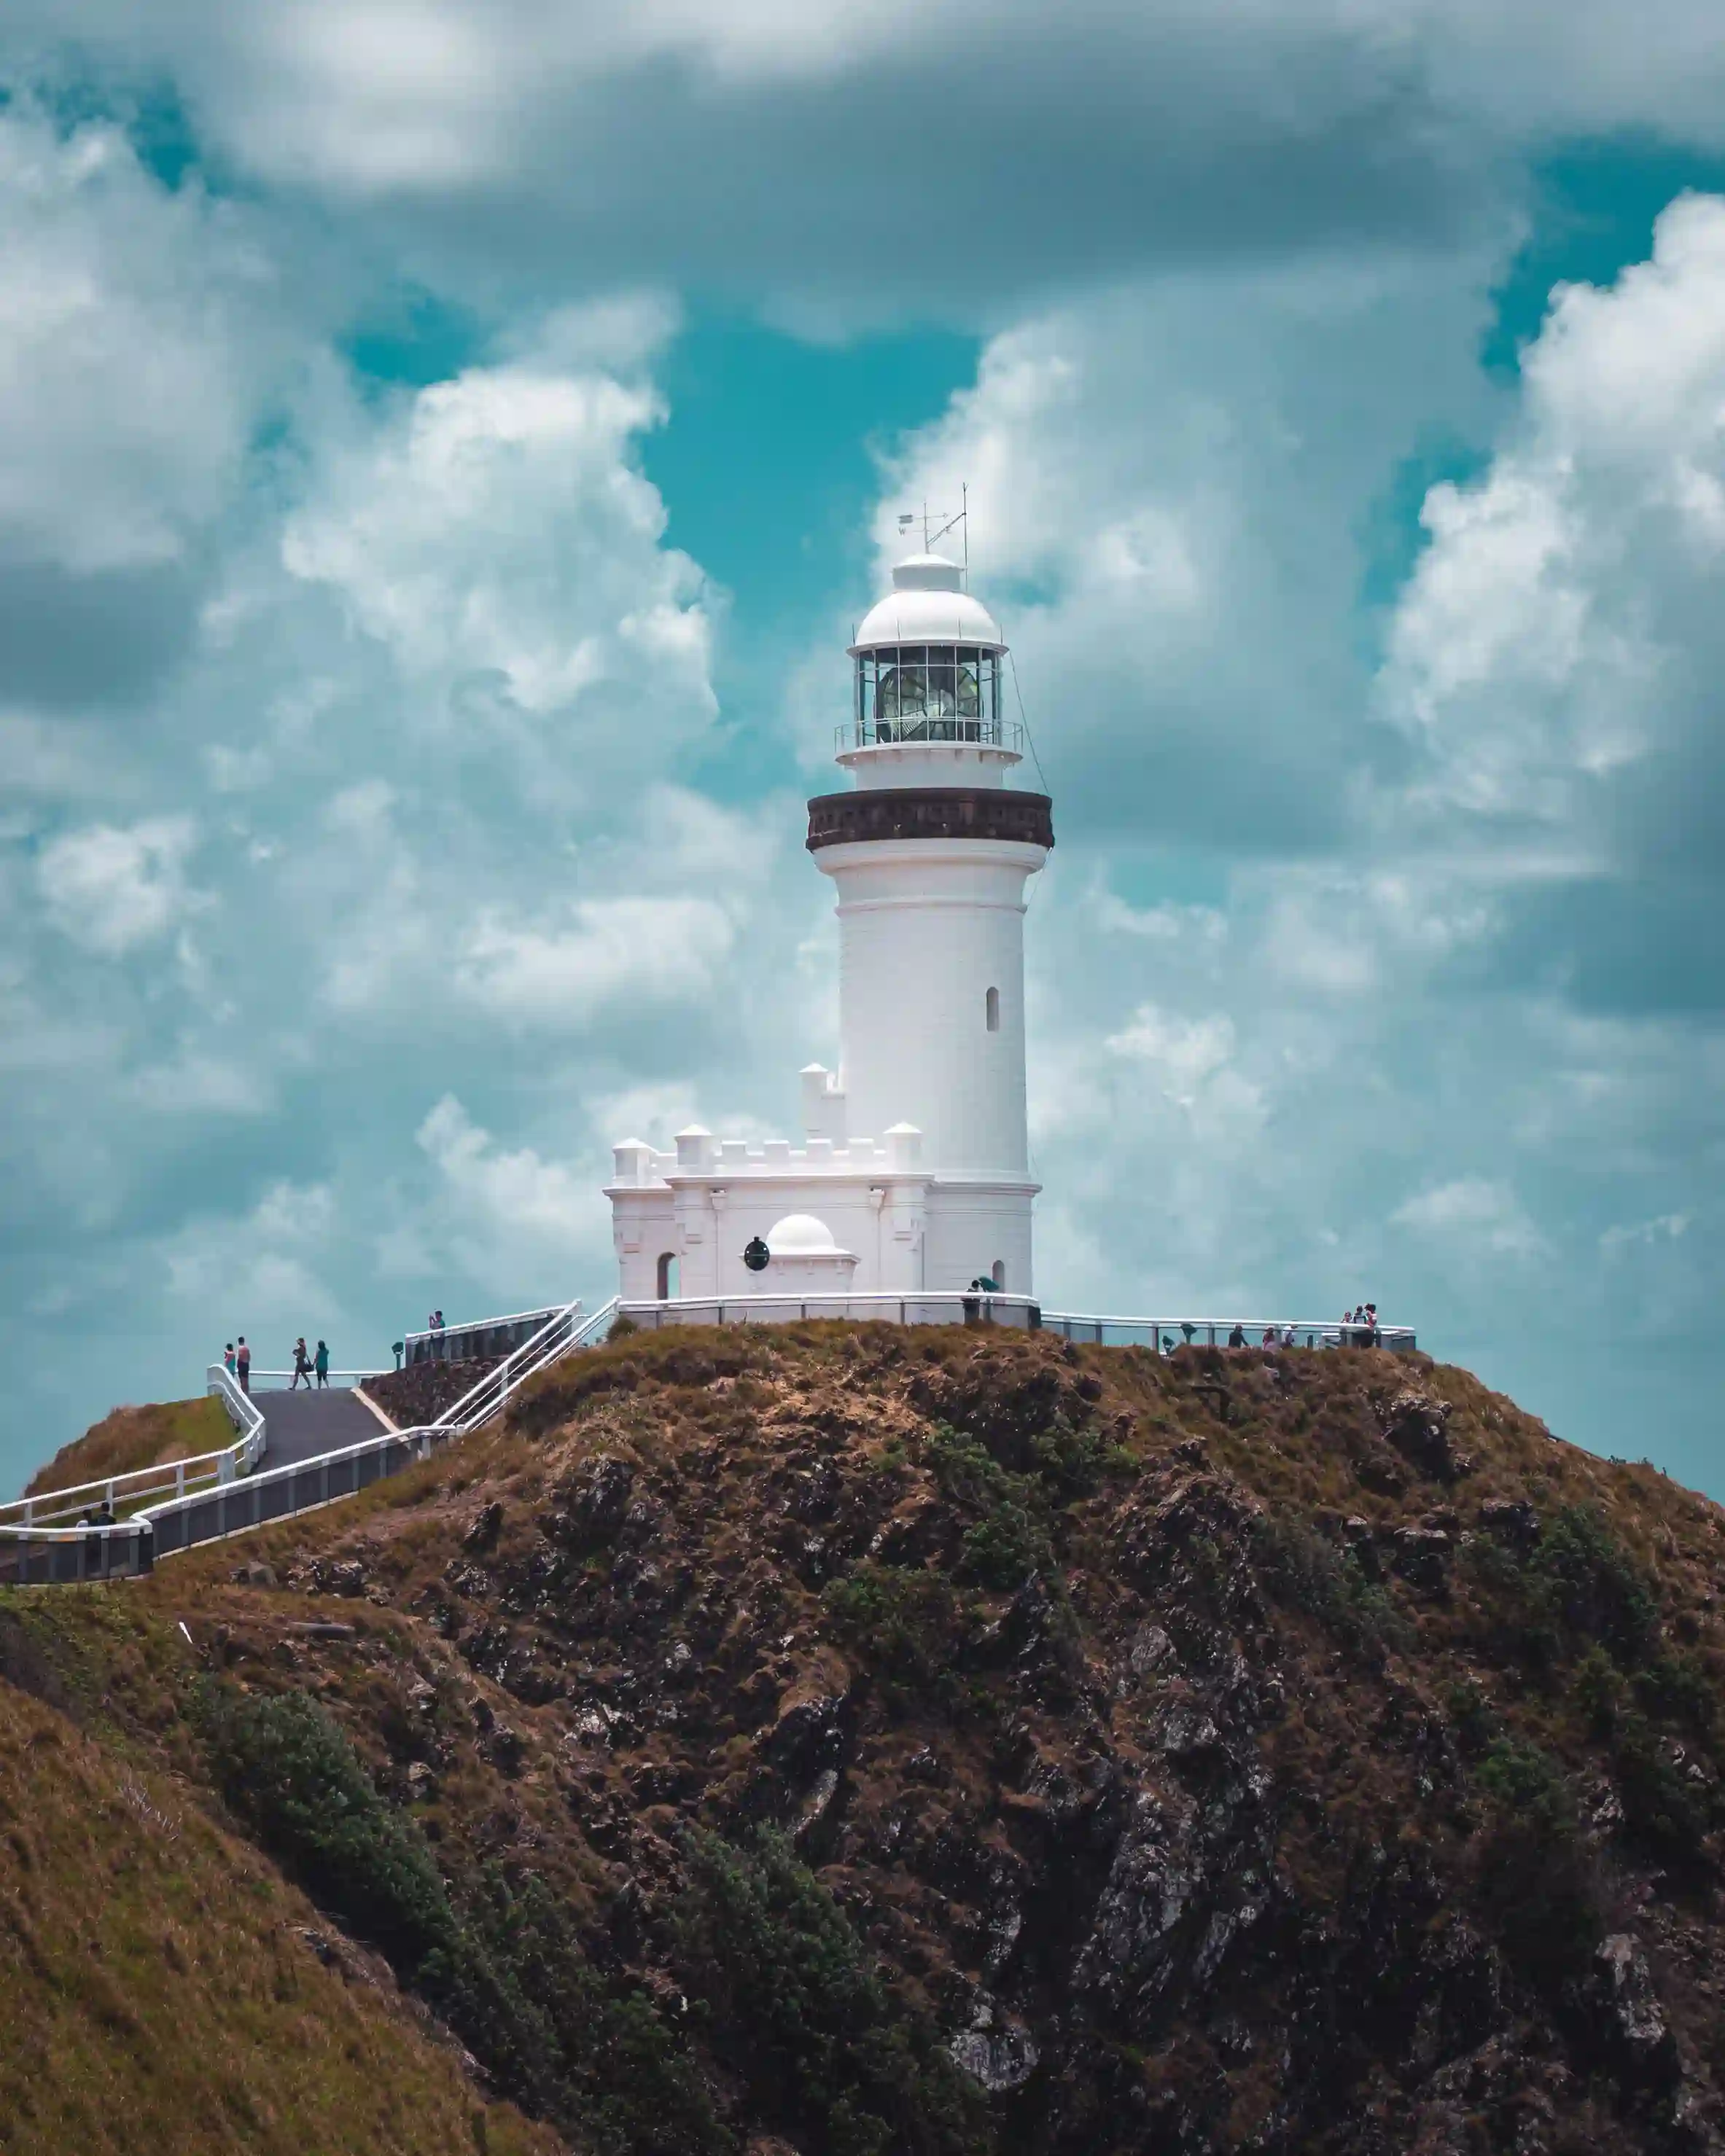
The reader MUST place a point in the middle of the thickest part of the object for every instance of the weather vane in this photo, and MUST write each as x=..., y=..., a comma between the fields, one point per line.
x=934, y=530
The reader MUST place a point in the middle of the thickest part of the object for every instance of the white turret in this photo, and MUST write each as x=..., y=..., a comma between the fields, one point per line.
x=915, y=1172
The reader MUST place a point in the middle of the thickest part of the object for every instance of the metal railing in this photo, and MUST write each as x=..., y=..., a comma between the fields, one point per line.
x=475, y=1338
x=1165, y=1334
x=39, y=1553
x=130, y=1493
x=935, y=1306
x=905, y=732
x=951, y=1307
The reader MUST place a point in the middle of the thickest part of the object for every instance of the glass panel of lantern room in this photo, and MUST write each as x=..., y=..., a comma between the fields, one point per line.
x=886, y=693
x=912, y=692
x=943, y=688
x=969, y=699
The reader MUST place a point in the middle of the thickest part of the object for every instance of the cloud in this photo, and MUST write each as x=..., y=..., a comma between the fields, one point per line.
x=1554, y=655
x=262, y=1269
x=549, y=1210
x=1667, y=1228
x=112, y=889
x=142, y=337
x=605, y=953
x=495, y=539
x=1483, y=1215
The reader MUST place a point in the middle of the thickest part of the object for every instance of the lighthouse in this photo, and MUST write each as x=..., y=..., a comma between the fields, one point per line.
x=912, y=1173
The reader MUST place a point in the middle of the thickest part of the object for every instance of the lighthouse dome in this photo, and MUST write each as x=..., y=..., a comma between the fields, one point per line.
x=800, y=1235
x=927, y=604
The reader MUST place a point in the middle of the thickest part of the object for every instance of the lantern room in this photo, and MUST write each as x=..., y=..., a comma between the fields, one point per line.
x=928, y=659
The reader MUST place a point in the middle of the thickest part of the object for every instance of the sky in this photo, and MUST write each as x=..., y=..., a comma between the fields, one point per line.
x=444, y=447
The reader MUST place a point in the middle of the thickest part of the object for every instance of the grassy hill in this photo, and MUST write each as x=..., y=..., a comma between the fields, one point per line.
x=163, y=1988
x=848, y=1740
x=132, y=1437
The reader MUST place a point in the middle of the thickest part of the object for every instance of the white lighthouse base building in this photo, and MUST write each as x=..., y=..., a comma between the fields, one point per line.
x=913, y=1174
x=864, y=1217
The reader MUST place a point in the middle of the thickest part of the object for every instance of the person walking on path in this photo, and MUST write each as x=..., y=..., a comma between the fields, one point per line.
x=301, y=1365
x=321, y=1363
x=242, y=1365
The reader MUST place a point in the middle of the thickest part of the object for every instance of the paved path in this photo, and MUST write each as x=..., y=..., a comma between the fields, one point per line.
x=302, y=1425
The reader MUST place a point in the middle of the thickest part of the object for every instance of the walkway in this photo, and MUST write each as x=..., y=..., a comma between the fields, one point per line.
x=303, y=1425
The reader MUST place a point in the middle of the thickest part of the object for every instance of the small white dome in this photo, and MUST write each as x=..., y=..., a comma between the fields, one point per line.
x=800, y=1234
x=926, y=605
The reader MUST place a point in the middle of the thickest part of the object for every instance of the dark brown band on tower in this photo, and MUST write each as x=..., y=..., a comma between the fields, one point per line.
x=930, y=812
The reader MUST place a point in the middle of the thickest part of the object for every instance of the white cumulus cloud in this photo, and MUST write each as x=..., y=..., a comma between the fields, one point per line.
x=112, y=888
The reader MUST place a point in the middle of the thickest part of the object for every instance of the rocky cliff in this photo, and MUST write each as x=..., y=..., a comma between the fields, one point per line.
x=847, y=1739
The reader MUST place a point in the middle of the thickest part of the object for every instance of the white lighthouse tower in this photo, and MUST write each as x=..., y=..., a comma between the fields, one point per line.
x=913, y=1173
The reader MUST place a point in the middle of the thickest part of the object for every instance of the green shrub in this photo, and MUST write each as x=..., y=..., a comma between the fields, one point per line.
x=1537, y=1883
x=288, y=1769
x=1470, y=1717
x=1664, y=1813
x=830, y=2055
x=1071, y=1462
x=1593, y=1584
x=1004, y=1549
x=1011, y=1539
x=603, y=2066
x=1675, y=1688
x=1307, y=1570
x=500, y=1963
x=1600, y=1692
x=904, y=1622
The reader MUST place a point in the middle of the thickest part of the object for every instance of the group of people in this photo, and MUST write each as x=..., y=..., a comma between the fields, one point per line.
x=1363, y=1320
x=1272, y=1338
x=236, y=1361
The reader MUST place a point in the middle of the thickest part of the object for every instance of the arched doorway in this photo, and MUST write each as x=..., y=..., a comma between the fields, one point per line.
x=998, y=1275
x=670, y=1277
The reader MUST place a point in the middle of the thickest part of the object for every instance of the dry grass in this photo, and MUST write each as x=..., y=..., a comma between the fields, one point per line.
x=128, y=1438
x=161, y=1991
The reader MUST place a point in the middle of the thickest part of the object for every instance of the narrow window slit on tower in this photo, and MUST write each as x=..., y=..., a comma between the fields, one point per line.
x=991, y=1009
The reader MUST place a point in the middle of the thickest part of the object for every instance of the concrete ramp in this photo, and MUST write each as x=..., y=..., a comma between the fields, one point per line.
x=300, y=1425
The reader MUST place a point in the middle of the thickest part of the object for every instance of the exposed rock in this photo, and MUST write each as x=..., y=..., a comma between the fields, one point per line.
x=1422, y=1558
x=996, y=2050
x=1632, y=2020
x=1512, y=1520
x=1418, y=1427
x=484, y=1527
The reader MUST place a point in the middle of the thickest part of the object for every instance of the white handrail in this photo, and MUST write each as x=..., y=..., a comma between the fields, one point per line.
x=557, y=1337
x=169, y=1478
x=481, y=1324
